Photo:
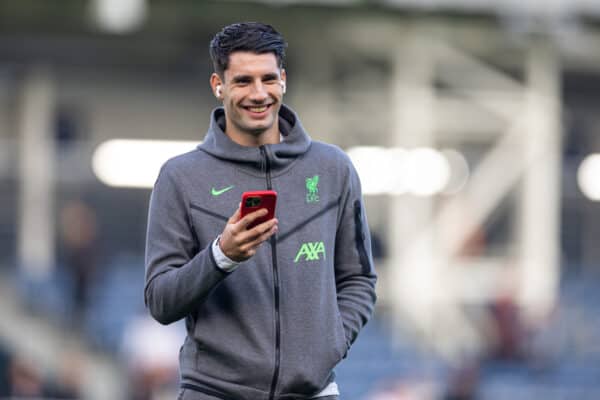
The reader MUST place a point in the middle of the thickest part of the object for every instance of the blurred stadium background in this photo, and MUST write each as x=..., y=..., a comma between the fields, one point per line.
x=474, y=125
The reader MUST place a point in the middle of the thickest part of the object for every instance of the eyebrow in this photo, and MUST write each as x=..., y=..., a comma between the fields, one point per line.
x=248, y=78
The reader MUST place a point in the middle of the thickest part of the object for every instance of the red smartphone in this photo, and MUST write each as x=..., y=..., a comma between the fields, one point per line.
x=257, y=199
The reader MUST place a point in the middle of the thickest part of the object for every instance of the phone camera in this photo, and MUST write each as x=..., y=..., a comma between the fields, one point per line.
x=252, y=201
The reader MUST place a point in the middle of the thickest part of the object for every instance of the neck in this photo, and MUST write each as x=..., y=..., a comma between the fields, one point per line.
x=253, y=139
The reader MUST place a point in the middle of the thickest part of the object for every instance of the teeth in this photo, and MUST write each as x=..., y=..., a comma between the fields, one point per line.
x=257, y=109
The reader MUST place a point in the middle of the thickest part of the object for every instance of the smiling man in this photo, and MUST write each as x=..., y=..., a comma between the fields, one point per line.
x=251, y=87
x=269, y=310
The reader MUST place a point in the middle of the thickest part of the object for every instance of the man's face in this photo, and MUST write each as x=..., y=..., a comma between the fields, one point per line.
x=251, y=92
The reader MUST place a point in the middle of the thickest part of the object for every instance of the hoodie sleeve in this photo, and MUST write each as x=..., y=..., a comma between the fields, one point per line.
x=179, y=275
x=354, y=271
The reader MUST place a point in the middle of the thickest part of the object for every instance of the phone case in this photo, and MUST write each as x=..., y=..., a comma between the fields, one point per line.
x=257, y=199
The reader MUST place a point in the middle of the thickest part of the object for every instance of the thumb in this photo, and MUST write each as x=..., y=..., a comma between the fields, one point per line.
x=236, y=215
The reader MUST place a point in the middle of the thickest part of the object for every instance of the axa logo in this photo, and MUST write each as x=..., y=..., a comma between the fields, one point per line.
x=311, y=251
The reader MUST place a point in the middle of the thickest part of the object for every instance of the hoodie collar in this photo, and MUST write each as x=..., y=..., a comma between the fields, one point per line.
x=295, y=142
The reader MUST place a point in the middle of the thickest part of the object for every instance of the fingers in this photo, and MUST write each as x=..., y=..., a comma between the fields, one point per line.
x=253, y=236
x=240, y=243
x=236, y=215
x=249, y=248
x=252, y=245
x=250, y=218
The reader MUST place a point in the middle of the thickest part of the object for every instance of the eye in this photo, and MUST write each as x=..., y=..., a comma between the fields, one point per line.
x=270, y=79
x=242, y=81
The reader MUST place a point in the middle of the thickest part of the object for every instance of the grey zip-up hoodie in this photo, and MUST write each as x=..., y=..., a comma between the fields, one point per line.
x=276, y=326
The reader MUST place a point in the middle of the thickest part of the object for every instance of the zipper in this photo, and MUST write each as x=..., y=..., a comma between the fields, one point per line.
x=273, y=241
x=359, y=234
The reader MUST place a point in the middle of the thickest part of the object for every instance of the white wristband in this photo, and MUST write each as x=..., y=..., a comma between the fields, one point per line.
x=223, y=262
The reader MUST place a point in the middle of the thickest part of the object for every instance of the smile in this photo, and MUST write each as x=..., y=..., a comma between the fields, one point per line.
x=258, y=109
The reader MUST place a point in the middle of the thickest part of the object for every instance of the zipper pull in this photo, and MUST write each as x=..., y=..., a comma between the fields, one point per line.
x=263, y=158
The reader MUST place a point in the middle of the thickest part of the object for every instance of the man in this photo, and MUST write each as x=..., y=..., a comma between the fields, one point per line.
x=270, y=310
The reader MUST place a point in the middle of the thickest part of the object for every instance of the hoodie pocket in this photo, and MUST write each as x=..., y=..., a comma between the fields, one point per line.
x=342, y=342
x=311, y=352
x=233, y=332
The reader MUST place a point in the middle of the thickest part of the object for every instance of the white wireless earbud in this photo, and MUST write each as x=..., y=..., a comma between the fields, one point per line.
x=218, y=91
x=282, y=83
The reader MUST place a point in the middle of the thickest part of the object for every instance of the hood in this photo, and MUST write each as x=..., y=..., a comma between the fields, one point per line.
x=295, y=142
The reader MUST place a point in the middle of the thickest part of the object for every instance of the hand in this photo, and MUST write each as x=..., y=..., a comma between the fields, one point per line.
x=240, y=243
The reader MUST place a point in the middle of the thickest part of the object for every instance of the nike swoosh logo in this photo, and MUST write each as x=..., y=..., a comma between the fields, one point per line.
x=219, y=192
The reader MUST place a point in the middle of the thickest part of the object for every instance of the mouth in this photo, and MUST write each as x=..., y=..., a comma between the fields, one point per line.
x=257, y=109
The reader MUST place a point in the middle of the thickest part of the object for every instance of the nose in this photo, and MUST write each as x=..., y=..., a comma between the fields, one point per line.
x=258, y=92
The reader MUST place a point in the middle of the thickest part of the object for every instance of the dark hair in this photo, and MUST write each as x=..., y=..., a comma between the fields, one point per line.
x=246, y=36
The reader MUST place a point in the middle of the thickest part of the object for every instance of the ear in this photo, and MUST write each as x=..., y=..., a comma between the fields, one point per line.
x=283, y=80
x=216, y=85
